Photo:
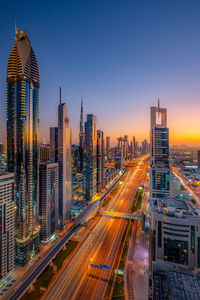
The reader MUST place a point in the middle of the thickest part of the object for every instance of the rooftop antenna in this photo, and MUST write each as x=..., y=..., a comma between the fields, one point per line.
x=16, y=31
x=158, y=105
x=60, y=95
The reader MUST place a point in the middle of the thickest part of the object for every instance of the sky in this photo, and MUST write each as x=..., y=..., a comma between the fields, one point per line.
x=120, y=55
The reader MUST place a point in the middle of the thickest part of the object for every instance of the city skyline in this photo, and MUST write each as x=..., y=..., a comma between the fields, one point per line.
x=145, y=61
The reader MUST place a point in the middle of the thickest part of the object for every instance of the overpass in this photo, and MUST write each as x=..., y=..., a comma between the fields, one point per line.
x=120, y=215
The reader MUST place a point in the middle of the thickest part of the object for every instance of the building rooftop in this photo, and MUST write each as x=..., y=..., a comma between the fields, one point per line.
x=175, y=285
x=178, y=208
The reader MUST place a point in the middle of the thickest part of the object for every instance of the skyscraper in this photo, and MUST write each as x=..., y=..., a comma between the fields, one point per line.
x=100, y=161
x=160, y=171
x=48, y=208
x=22, y=143
x=81, y=138
x=90, y=168
x=53, y=144
x=64, y=163
x=7, y=224
x=108, y=148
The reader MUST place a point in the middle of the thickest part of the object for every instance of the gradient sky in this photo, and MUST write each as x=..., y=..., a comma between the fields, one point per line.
x=120, y=55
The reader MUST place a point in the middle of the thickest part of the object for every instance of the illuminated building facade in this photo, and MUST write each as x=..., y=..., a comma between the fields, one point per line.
x=64, y=163
x=160, y=171
x=22, y=143
x=48, y=207
x=7, y=224
x=90, y=168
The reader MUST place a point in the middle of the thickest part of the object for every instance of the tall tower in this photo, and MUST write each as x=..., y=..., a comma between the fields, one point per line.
x=100, y=161
x=160, y=171
x=90, y=168
x=81, y=137
x=22, y=143
x=64, y=163
x=108, y=148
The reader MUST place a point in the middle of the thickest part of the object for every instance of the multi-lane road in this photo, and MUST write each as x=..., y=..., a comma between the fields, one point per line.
x=79, y=280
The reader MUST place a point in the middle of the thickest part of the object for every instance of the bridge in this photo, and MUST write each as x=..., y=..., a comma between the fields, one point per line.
x=120, y=215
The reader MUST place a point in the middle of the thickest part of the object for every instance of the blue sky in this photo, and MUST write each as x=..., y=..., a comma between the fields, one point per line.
x=119, y=55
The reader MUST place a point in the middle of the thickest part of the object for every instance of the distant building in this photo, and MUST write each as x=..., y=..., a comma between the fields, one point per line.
x=53, y=144
x=118, y=158
x=100, y=161
x=145, y=147
x=48, y=209
x=108, y=152
x=64, y=163
x=44, y=153
x=198, y=158
x=90, y=168
x=125, y=147
x=7, y=224
x=160, y=171
x=1, y=148
x=175, y=234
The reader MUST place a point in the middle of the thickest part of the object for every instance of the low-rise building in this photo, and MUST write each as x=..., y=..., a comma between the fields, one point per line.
x=175, y=232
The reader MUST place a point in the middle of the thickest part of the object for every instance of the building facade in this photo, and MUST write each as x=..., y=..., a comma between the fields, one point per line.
x=48, y=207
x=108, y=152
x=90, y=167
x=100, y=161
x=64, y=163
x=7, y=224
x=175, y=232
x=53, y=144
x=22, y=143
x=81, y=139
x=160, y=171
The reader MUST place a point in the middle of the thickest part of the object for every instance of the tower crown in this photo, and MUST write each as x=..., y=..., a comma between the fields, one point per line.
x=22, y=61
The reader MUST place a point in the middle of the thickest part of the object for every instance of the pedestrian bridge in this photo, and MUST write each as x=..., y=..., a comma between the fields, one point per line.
x=119, y=215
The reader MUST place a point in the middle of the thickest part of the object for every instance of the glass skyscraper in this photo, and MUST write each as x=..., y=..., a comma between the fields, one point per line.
x=90, y=167
x=22, y=143
x=160, y=171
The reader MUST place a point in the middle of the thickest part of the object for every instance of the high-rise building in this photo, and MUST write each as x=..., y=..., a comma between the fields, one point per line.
x=1, y=148
x=145, y=147
x=90, y=166
x=64, y=163
x=198, y=159
x=81, y=138
x=44, y=152
x=125, y=147
x=100, y=161
x=22, y=143
x=160, y=171
x=53, y=144
x=48, y=208
x=134, y=147
x=7, y=224
x=108, y=154
x=118, y=158
x=121, y=147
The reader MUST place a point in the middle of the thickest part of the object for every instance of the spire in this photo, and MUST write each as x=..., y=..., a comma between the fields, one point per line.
x=81, y=117
x=60, y=95
x=16, y=31
x=158, y=105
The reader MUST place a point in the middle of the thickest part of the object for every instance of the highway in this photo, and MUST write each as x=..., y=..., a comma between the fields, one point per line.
x=30, y=275
x=195, y=192
x=78, y=280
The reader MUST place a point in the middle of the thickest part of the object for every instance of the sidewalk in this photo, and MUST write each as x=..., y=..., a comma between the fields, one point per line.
x=140, y=267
